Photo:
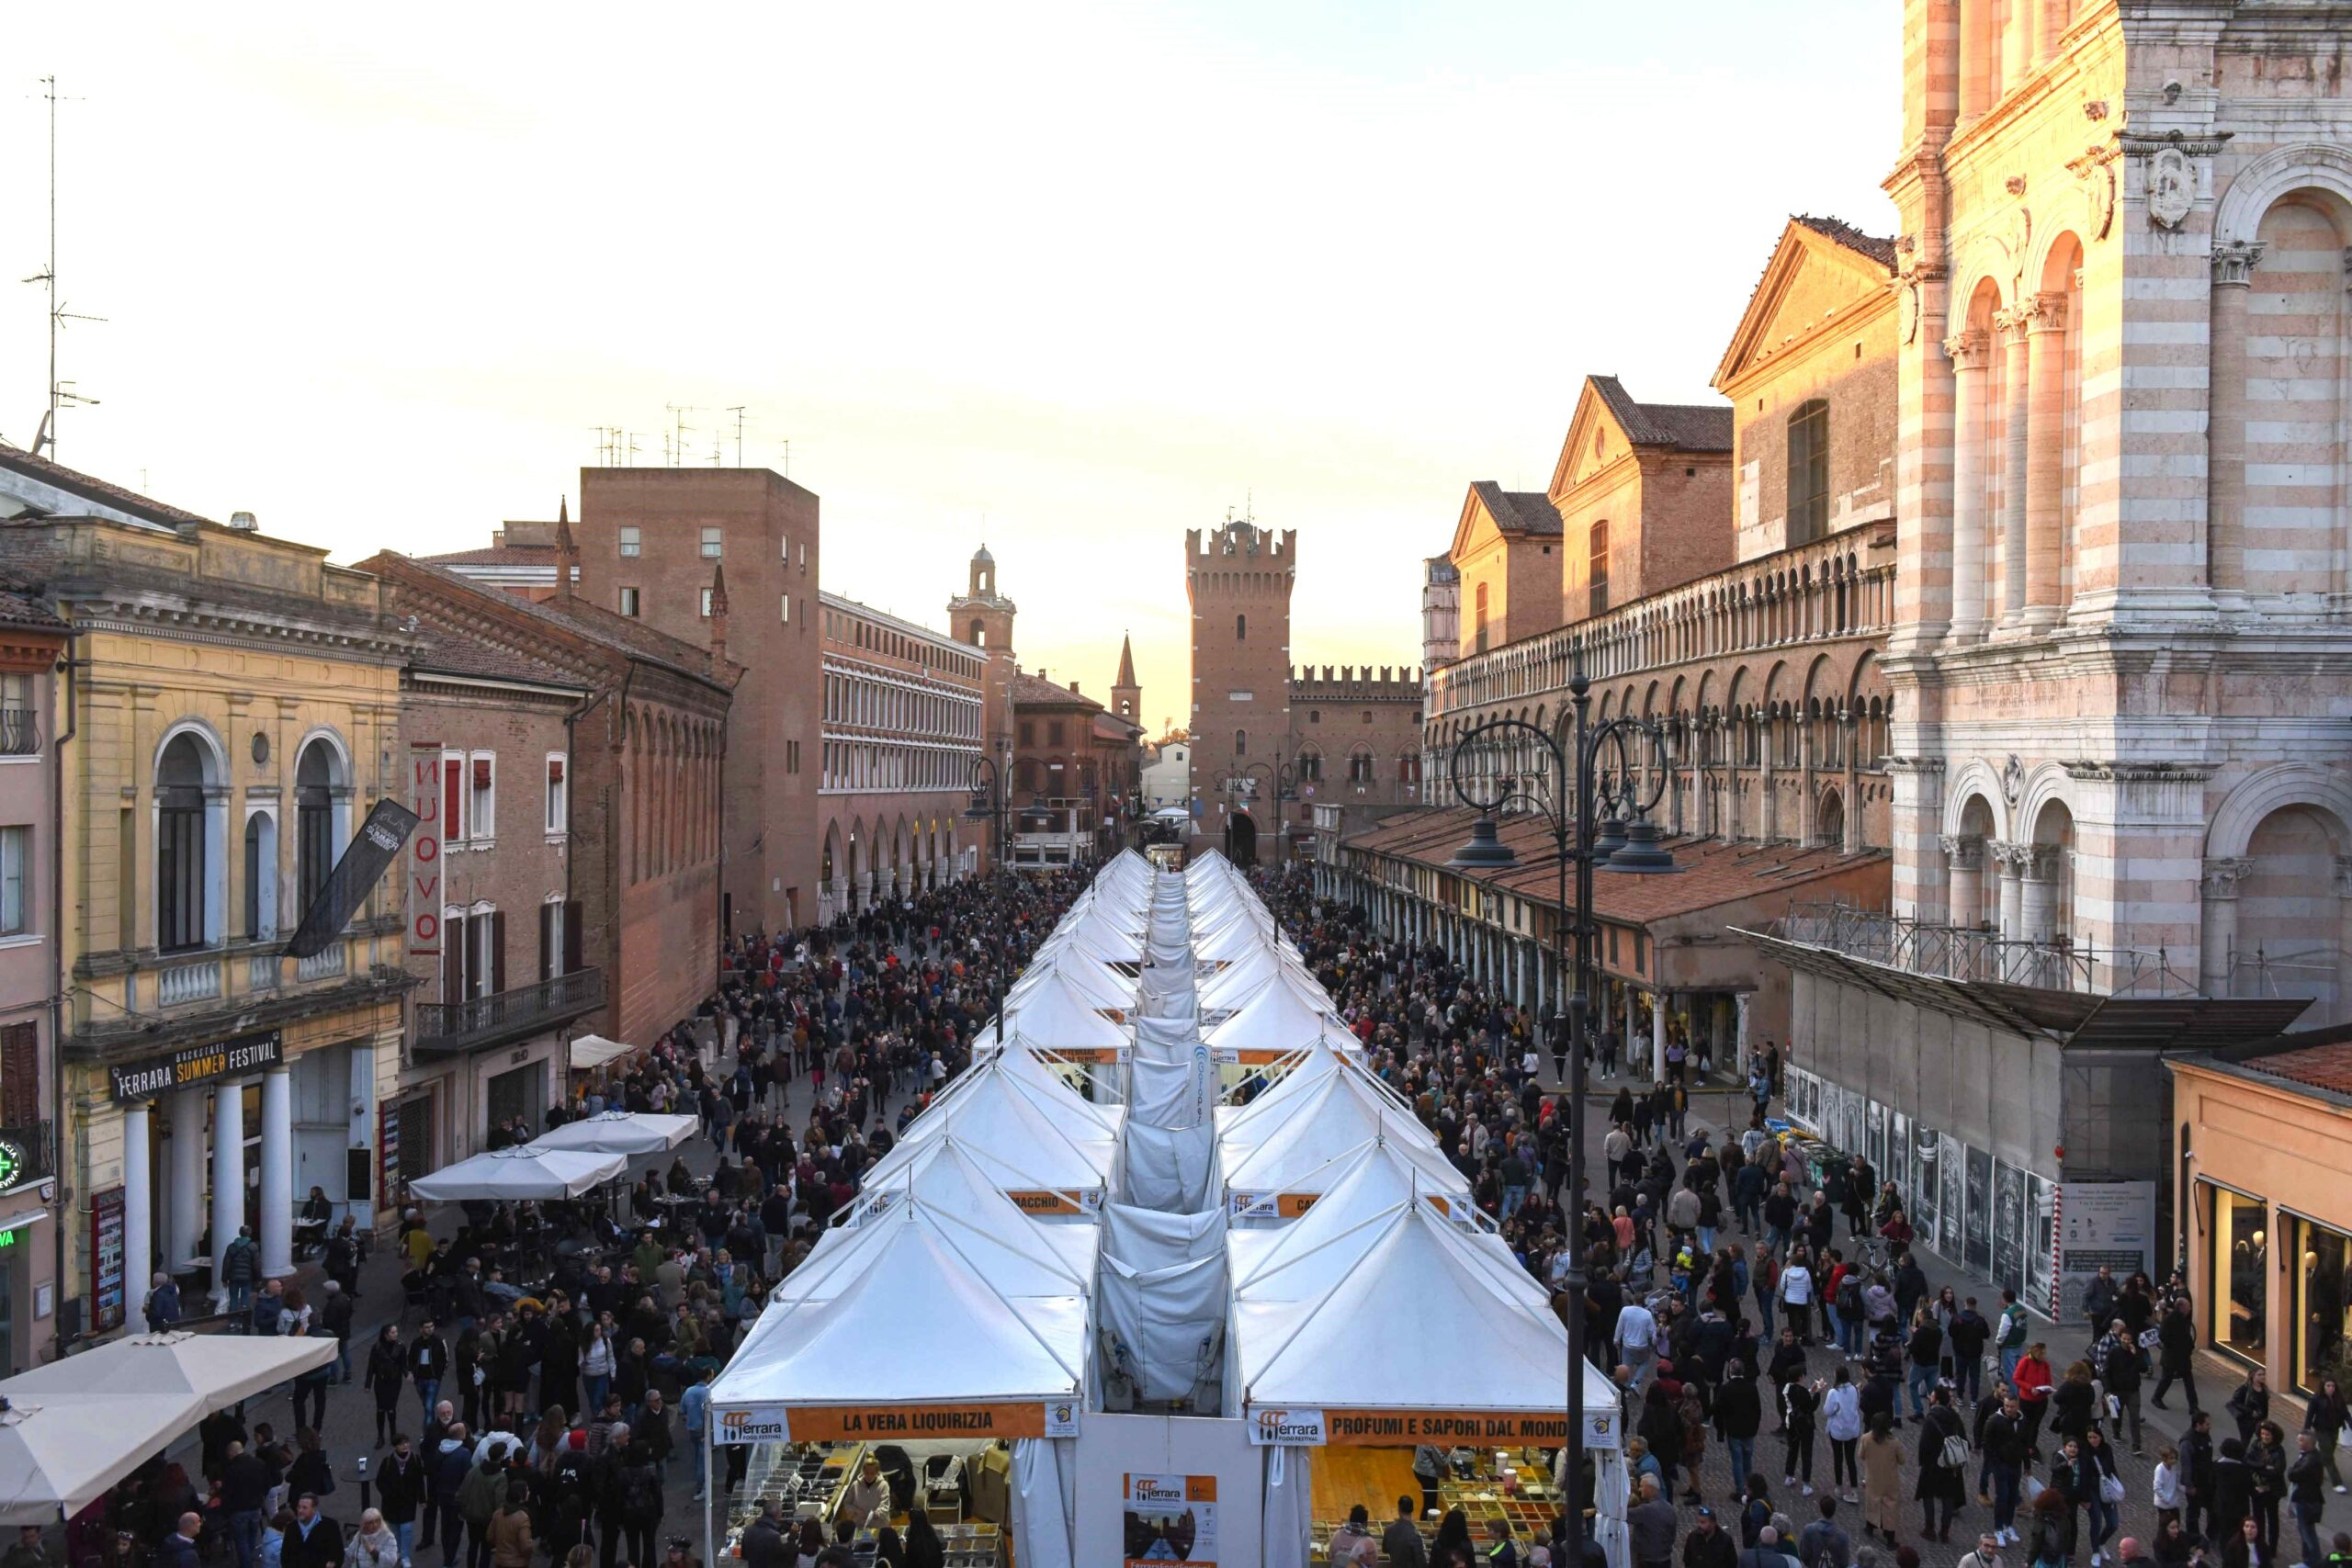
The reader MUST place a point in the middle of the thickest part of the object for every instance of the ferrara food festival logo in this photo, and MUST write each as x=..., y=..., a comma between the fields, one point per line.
x=751, y=1426
x=1282, y=1425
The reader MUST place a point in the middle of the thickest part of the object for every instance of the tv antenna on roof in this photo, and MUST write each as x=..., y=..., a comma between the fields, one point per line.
x=60, y=393
x=738, y=411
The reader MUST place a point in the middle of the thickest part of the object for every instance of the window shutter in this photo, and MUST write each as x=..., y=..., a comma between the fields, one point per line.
x=497, y=950
x=453, y=798
x=20, y=1075
x=546, y=941
x=455, y=951
x=571, y=937
x=481, y=772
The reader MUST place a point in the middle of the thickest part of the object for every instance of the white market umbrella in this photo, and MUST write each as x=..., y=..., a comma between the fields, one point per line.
x=619, y=1133
x=522, y=1173
x=215, y=1369
x=60, y=1454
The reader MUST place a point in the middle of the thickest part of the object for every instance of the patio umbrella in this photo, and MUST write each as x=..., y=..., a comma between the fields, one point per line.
x=619, y=1133
x=57, y=1455
x=214, y=1369
x=525, y=1172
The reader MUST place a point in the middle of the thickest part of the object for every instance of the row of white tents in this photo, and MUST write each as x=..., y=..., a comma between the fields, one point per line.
x=1085, y=1222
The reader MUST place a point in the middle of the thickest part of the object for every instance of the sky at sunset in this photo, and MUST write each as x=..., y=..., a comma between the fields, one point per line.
x=1068, y=277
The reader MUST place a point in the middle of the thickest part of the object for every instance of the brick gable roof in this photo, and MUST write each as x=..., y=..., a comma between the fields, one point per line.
x=1689, y=427
x=1519, y=510
x=1035, y=691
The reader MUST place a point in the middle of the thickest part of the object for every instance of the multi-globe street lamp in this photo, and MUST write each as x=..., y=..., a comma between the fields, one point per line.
x=1596, y=769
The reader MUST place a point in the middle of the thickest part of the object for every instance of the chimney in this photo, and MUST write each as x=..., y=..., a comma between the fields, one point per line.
x=1074, y=690
x=719, y=612
x=564, y=554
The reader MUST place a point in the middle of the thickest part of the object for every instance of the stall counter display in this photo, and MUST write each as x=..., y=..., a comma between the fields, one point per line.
x=1512, y=1486
x=808, y=1481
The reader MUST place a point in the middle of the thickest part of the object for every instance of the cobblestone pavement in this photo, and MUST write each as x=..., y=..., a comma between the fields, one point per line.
x=350, y=1425
x=2067, y=1343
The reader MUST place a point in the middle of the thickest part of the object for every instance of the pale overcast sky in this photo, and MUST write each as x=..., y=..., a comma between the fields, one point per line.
x=1072, y=276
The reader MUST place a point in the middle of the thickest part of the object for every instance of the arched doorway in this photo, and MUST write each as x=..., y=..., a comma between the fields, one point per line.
x=1240, y=839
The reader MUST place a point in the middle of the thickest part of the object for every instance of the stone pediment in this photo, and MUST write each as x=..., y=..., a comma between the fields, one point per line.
x=1814, y=280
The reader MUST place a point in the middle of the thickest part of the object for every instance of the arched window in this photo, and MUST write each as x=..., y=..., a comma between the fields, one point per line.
x=1808, y=471
x=1310, y=767
x=980, y=635
x=1597, y=568
x=180, y=869
x=1241, y=742
x=1240, y=628
x=1360, y=767
x=314, y=846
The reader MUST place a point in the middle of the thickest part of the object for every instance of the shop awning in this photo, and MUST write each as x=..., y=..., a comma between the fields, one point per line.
x=215, y=1369
x=522, y=1174
x=619, y=1133
x=593, y=1051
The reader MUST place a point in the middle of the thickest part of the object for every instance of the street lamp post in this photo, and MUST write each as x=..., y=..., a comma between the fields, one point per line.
x=1228, y=778
x=1613, y=844
x=987, y=804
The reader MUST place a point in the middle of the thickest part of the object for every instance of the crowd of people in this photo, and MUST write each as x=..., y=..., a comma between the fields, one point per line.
x=1716, y=1264
x=558, y=1364
x=547, y=1368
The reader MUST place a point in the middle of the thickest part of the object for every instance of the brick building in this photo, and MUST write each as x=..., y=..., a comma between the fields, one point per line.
x=32, y=642
x=1076, y=770
x=1267, y=740
x=904, y=713
x=641, y=793
x=1726, y=572
x=651, y=545
x=505, y=970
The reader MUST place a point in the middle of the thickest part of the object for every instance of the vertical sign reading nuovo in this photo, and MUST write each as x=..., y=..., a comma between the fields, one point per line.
x=424, y=851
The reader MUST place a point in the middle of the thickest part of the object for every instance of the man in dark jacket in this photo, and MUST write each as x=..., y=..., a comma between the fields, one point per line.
x=446, y=1471
x=178, y=1548
x=400, y=1484
x=315, y=1541
x=763, y=1537
x=1707, y=1546
x=428, y=1363
x=2118, y=1369
x=1739, y=1413
x=2176, y=1353
x=2307, y=1495
x=1650, y=1526
x=244, y=1485
x=1401, y=1542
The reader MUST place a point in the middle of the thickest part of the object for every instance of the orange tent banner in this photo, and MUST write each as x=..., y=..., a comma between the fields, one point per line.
x=1462, y=1428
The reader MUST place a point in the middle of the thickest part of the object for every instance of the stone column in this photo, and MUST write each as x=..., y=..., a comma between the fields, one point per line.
x=1660, y=1001
x=2038, y=891
x=138, y=1214
x=1526, y=997
x=1851, y=790
x=2018, y=386
x=1970, y=352
x=2217, y=923
x=1975, y=84
x=227, y=1178
x=277, y=1173
x=184, y=1194
x=2045, y=500
x=2011, y=859
x=1966, y=873
x=2233, y=264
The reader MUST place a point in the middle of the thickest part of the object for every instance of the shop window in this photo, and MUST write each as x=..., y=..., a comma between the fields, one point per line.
x=2324, y=1290
x=2241, y=1241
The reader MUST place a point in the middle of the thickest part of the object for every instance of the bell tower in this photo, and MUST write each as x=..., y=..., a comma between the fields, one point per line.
x=981, y=617
x=1126, y=697
x=1238, y=578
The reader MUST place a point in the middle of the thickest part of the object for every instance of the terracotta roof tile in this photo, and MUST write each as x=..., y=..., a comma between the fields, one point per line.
x=2325, y=1067
x=1033, y=691
x=1689, y=427
x=623, y=633
x=1712, y=872
x=97, y=489
x=1525, y=511
x=1842, y=232
x=449, y=650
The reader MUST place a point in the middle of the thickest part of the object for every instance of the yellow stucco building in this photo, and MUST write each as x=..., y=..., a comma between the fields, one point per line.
x=233, y=712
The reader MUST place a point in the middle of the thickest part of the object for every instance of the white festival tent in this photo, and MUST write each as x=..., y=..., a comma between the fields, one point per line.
x=593, y=1051
x=619, y=1133
x=75, y=1427
x=1060, y=998
x=1381, y=1172
x=952, y=1180
x=993, y=1112
x=520, y=1173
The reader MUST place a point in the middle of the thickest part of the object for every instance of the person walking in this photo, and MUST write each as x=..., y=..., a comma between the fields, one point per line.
x=2176, y=1352
x=376, y=1546
x=510, y=1530
x=428, y=1362
x=2250, y=1405
x=2323, y=1419
x=1882, y=1479
x=1841, y=1417
x=400, y=1484
x=1942, y=1484
x=386, y=1371
x=2307, y=1493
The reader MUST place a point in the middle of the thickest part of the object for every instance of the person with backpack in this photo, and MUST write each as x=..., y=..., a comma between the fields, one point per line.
x=1849, y=1310
x=239, y=1269
x=478, y=1502
x=2012, y=1333
x=640, y=1500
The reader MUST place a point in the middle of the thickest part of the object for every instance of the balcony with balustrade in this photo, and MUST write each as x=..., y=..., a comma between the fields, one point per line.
x=447, y=1029
x=144, y=993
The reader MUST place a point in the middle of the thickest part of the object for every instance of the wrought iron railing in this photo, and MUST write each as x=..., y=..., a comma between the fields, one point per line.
x=1963, y=953
x=19, y=732
x=28, y=1154
x=462, y=1026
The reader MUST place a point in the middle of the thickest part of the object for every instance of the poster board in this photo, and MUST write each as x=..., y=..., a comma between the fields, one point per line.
x=1168, y=1519
x=2109, y=1223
